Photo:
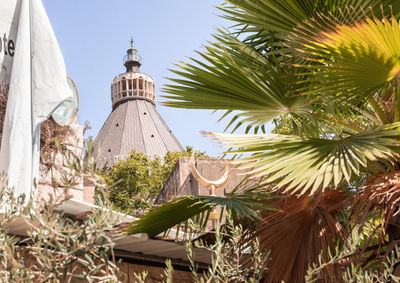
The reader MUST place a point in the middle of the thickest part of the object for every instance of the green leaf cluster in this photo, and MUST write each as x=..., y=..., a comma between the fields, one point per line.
x=134, y=183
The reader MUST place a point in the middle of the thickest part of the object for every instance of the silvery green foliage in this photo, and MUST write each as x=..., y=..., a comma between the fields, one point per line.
x=228, y=255
x=382, y=272
x=140, y=277
x=168, y=276
x=56, y=247
x=227, y=258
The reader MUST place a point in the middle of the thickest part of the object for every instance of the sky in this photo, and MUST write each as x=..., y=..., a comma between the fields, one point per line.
x=94, y=36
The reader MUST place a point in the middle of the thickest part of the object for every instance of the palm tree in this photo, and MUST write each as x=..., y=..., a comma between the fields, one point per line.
x=327, y=74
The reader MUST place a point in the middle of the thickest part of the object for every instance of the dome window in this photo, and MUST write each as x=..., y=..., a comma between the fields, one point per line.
x=141, y=83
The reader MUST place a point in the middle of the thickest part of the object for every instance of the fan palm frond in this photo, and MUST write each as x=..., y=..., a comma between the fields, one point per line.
x=381, y=195
x=237, y=78
x=349, y=59
x=297, y=233
x=264, y=20
x=306, y=165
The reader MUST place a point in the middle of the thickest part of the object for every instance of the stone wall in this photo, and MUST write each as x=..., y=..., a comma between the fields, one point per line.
x=54, y=168
x=181, y=182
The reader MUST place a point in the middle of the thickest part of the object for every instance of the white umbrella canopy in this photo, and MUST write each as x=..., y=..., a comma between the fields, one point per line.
x=34, y=69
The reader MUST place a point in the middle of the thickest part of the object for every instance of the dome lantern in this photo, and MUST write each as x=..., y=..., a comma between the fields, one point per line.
x=132, y=84
x=132, y=60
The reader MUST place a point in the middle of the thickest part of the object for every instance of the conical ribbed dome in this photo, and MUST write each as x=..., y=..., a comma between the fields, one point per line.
x=134, y=123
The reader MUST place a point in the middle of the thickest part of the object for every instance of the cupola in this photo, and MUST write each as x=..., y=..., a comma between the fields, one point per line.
x=132, y=60
x=133, y=84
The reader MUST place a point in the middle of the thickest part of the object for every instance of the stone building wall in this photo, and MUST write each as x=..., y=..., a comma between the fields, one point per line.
x=181, y=182
x=54, y=168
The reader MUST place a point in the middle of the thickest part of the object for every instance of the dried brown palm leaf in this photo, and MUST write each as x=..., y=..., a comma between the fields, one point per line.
x=298, y=233
x=381, y=195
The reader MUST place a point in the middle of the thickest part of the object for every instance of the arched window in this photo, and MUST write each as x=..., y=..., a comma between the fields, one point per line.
x=150, y=90
x=141, y=83
x=123, y=81
x=145, y=89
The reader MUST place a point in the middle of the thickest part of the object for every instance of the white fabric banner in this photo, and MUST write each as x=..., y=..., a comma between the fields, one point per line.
x=33, y=67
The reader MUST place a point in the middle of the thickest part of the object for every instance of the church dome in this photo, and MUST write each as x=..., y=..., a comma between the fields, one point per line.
x=134, y=123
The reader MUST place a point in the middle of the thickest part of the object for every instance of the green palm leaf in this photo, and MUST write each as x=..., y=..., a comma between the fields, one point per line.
x=303, y=165
x=164, y=217
x=237, y=78
x=264, y=19
x=349, y=60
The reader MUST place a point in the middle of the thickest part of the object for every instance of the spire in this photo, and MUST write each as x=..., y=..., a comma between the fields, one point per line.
x=132, y=60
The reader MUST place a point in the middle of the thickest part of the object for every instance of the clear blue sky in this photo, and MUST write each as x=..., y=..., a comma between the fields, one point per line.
x=94, y=36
